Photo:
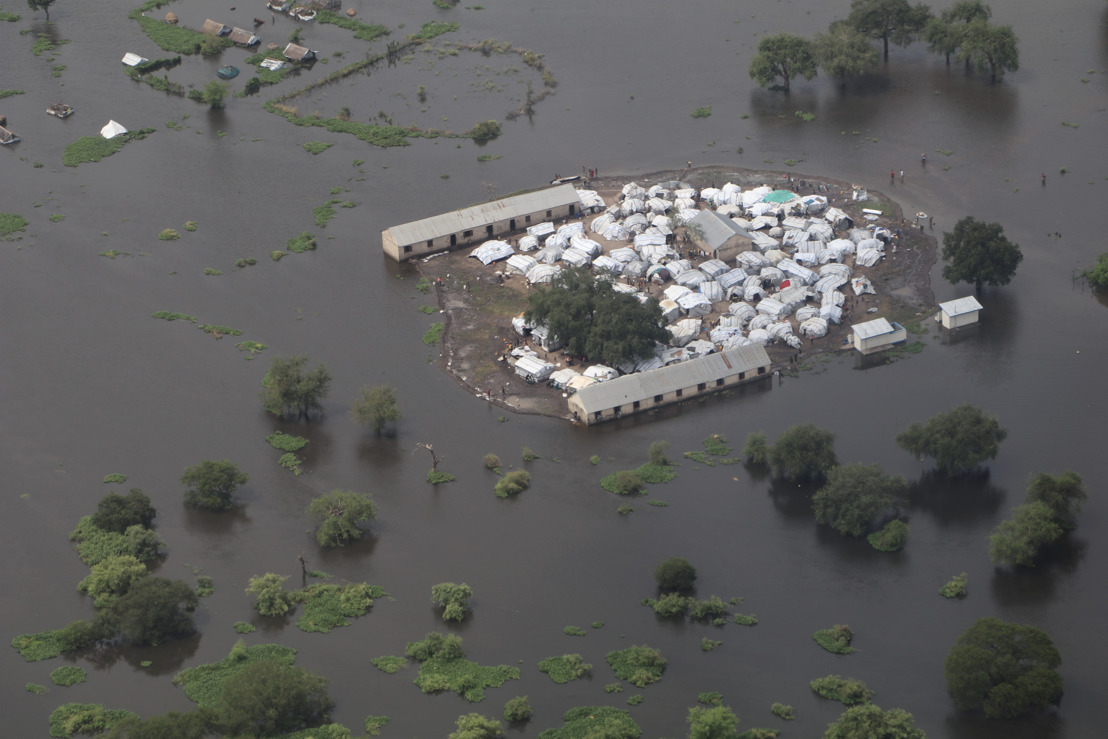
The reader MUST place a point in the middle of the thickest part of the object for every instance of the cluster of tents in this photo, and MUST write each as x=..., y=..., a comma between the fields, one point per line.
x=789, y=286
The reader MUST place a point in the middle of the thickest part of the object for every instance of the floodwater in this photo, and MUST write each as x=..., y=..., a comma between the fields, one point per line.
x=93, y=385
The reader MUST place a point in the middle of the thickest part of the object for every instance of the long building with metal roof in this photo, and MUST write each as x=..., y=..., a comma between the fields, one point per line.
x=479, y=223
x=643, y=391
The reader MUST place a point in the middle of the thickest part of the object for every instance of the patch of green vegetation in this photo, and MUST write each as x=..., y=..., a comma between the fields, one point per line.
x=623, y=482
x=782, y=711
x=574, y=631
x=513, y=483
x=431, y=29
x=37, y=647
x=597, y=624
x=389, y=664
x=488, y=157
x=169, y=234
x=956, y=588
x=745, y=619
x=659, y=503
x=317, y=147
x=635, y=700
x=377, y=135
x=565, y=668
x=438, y=476
x=427, y=309
x=174, y=125
x=434, y=334
x=529, y=455
x=205, y=586
x=242, y=627
x=85, y=718
x=702, y=112
x=212, y=271
x=253, y=347
x=95, y=148
x=836, y=639
x=56, y=218
x=594, y=721
x=10, y=18
x=362, y=31
x=613, y=688
x=177, y=39
x=638, y=665
x=57, y=69
x=847, y=691
x=707, y=645
x=304, y=241
x=35, y=689
x=443, y=667
x=291, y=462
x=700, y=457
x=1070, y=125
x=95, y=544
x=806, y=117
x=710, y=699
x=890, y=538
x=113, y=253
x=329, y=606
x=170, y=316
x=625, y=509
x=374, y=724
x=211, y=328
x=44, y=43
x=716, y=444
x=115, y=477
x=11, y=223
x=203, y=684
x=325, y=212
x=68, y=675
x=656, y=473
x=246, y=262
x=277, y=254
x=424, y=285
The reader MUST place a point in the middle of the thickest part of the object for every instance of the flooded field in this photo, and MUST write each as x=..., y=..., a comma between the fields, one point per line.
x=94, y=385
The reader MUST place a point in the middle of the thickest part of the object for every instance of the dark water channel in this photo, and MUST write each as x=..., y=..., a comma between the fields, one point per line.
x=92, y=385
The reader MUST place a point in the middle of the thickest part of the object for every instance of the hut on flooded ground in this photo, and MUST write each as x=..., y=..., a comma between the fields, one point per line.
x=877, y=335
x=643, y=391
x=479, y=223
x=960, y=312
x=297, y=53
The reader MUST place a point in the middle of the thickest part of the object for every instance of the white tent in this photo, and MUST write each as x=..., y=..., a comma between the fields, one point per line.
x=636, y=223
x=649, y=239
x=533, y=367
x=521, y=263
x=684, y=331
x=492, y=251
x=541, y=229
x=604, y=262
x=744, y=311
x=588, y=246
x=814, y=328
x=691, y=278
x=670, y=310
x=711, y=290
x=600, y=223
x=572, y=229
x=528, y=243
x=673, y=292
x=542, y=273
x=714, y=268
x=576, y=257
x=615, y=232
x=624, y=254
x=600, y=373
x=112, y=129
x=695, y=304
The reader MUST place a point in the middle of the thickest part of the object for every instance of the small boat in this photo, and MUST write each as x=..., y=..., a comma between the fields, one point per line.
x=61, y=110
x=277, y=6
x=302, y=13
x=227, y=72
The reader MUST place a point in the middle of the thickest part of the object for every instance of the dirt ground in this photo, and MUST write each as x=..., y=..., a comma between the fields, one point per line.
x=478, y=307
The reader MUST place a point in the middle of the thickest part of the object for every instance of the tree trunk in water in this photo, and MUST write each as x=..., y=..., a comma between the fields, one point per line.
x=886, y=40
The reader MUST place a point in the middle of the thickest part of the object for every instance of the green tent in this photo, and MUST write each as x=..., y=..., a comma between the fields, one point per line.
x=779, y=196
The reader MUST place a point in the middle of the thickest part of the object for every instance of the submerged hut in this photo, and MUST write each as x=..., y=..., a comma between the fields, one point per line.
x=242, y=37
x=299, y=53
x=960, y=312
x=171, y=18
x=214, y=29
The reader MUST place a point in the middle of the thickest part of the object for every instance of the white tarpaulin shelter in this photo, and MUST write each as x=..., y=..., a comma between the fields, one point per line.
x=624, y=254
x=691, y=278
x=600, y=373
x=670, y=310
x=534, y=367
x=561, y=378
x=684, y=331
x=814, y=327
x=714, y=268
x=542, y=273
x=521, y=263
x=541, y=229
x=711, y=290
x=604, y=262
x=588, y=246
x=576, y=257
x=112, y=129
x=649, y=239
x=636, y=223
x=695, y=304
x=600, y=223
x=492, y=251
x=673, y=292
x=615, y=232
x=744, y=311
x=528, y=243
x=570, y=230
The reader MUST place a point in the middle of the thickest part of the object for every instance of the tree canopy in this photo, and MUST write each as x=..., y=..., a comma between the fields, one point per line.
x=712, y=722
x=1017, y=541
x=594, y=320
x=43, y=5
x=211, y=484
x=1098, y=274
x=453, y=598
x=271, y=598
x=287, y=387
x=869, y=721
x=340, y=514
x=270, y=697
x=376, y=407
x=476, y=726
x=888, y=20
x=991, y=48
x=803, y=453
x=844, y=53
x=111, y=577
x=856, y=495
x=1004, y=669
x=675, y=574
x=154, y=610
x=946, y=33
x=1063, y=494
x=117, y=513
x=785, y=57
x=958, y=440
x=979, y=253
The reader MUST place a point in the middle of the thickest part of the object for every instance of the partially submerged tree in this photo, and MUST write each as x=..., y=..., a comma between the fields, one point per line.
x=117, y=512
x=856, y=496
x=1098, y=274
x=1018, y=540
x=783, y=56
x=288, y=387
x=339, y=515
x=270, y=697
x=43, y=5
x=1063, y=494
x=888, y=20
x=804, y=453
x=868, y=720
x=476, y=726
x=979, y=253
x=946, y=33
x=111, y=577
x=676, y=574
x=1004, y=669
x=958, y=440
x=271, y=598
x=154, y=610
x=376, y=407
x=211, y=484
x=844, y=53
x=712, y=722
x=991, y=48
x=453, y=598
x=594, y=320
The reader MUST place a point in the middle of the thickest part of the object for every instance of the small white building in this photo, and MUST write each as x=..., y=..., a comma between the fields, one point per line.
x=960, y=312
x=878, y=334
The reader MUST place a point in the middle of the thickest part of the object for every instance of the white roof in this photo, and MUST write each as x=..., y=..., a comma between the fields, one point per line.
x=960, y=306
x=112, y=129
x=132, y=59
x=869, y=329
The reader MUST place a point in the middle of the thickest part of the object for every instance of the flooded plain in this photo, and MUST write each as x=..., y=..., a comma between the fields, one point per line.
x=93, y=385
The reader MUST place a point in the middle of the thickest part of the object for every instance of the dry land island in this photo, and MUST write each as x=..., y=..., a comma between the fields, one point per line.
x=478, y=302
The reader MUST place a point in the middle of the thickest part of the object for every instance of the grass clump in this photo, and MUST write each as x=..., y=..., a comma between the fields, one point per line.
x=291, y=462
x=707, y=645
x=190, y=226
x=11, y=223
x=639, y=665
x=513, y=483
x=658, y=503
x=588, y=721
x=68, y=675
x=782, y=711
x=330, y=606
x=253, y=347
x=836, y=639
x=40, y=646
x=389, y=664
x=8, y=93
x=203, y=684
x=443, y=667
x=529, y=455
x=710, y=699
x=56, y=218
x=594, y=459
x=656, y=473
x=85, y=718
x=565, y=668
x=427, y=309
x=517, y=709
x=242, y=627
x=362, y=31
x=434, y=334
x=574, y=631
x=374, y=724
x=286, y=442
x=635, y=700
x=212, y=271
x=623, y=482
x=166, y=315
x=424, y=285
x=716, y=444
x=625, y=510
x=95, y=148
x=745, y=619
x=36, y=689
x=317, y=147
x=613, y=688
x=301, y=243
x=492, y=462
x=115, y=477
x=169, y=234
x=437, y=476
x=890, y=538
x=847, y=691
x=703, y=112
x=277, y=254
x=956, y=588
x=431, y=29
x=597, y=624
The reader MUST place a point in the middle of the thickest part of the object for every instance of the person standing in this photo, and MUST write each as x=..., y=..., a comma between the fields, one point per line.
x=892, y=176
x=902, y=175
x=923, y=159
x=1044, y=179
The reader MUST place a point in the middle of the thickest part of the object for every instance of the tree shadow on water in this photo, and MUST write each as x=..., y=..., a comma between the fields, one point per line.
x=1024, y=586
x=792, y=499
x=964, y=500
x=164, y=659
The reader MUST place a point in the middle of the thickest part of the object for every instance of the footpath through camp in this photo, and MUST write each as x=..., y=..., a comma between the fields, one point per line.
x=794, y=263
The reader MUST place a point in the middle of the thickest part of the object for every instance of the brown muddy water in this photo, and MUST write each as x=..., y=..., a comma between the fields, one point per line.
x=92, y=385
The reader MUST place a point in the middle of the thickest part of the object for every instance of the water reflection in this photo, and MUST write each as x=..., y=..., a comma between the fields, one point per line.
x=964, y=500
x=792, y=499
x=165, y=659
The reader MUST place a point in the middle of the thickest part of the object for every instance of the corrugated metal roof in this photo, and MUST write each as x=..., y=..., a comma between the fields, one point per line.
x=869, y=329
x=480, y=215
x=960, y=306
x=717, y=229
x=645, y=385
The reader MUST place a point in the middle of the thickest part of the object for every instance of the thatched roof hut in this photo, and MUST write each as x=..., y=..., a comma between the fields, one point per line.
x=215, y=29
x=171, y=17
x=244, y=37
x=351, y=12
x=299, y=53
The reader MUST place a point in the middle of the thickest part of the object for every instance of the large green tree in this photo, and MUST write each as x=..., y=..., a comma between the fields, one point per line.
x=889, y=20
x=958, y=440
x=1097, y=275
x=271, y=598
x=288, y=387
x=117, y=512
x=376, y=407
x=154, y=610
x=991, y=48
x=594, y=320
x=43, y=5
x=803, y=453
x=1063, y=493
x=856, y=495
x=270, y=698
x=1018, y=540
x=712, y=722
x=198, y=724
x=868, y=721
x=111, y=577
x=1003, y=669
x=844, y=53
x=676, y=574
x=979, y=253
x=211, y=484
x=785, y=57
x=946, y=33
x=453, y=598
x=339, y=515
x=476, y=726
